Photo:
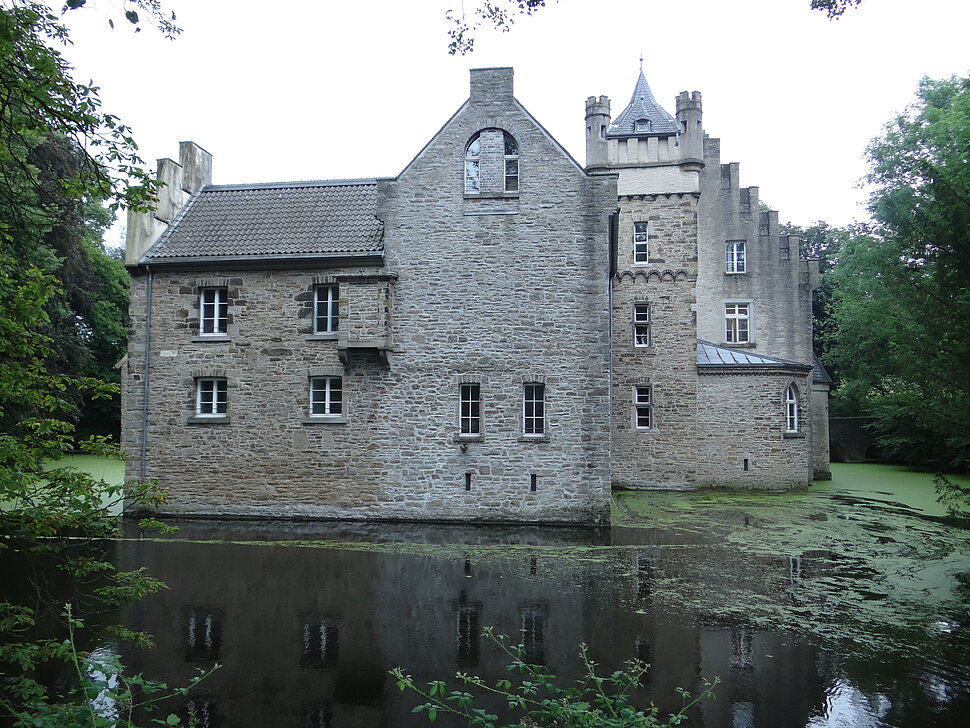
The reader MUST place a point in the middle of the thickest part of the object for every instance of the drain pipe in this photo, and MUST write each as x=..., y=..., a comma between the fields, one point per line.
x=143, y=465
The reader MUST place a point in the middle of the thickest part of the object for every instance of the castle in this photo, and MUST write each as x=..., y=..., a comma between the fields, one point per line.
x=497, y=333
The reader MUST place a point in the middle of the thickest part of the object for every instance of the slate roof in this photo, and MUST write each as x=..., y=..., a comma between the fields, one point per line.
x=819, y=374
x=643, y=106
x=282, y=219
x=709, y=354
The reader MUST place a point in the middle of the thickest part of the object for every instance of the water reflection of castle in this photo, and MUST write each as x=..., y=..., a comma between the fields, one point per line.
x=306, y=635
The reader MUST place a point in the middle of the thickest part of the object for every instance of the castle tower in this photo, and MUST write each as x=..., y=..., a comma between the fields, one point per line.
x=657, y=159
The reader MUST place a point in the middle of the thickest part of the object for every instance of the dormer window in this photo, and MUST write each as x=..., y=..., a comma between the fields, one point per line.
x=641, y=125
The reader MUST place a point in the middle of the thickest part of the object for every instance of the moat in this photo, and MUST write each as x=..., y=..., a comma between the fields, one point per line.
x=846, y=605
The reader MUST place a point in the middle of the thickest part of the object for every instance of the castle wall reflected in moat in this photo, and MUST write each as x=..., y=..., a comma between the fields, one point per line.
x=307, y=629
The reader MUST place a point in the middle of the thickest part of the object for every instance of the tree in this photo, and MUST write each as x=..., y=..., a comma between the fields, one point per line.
x=902, y=298
x=502, y=14
x=61, y=156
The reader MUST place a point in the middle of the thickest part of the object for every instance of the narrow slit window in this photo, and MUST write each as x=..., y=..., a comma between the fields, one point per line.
x=511, y=163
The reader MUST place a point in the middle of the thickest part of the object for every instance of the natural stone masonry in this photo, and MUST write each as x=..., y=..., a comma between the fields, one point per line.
x=509, y=267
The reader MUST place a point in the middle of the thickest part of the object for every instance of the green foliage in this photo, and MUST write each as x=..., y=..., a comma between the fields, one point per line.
x=901, y=303
x=99, y=694
x=533, y=698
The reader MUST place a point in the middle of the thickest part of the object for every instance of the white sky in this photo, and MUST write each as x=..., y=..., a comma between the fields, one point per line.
x=317, y=89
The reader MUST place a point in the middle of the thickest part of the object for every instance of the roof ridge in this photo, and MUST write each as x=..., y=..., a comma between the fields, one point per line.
x=296, y=184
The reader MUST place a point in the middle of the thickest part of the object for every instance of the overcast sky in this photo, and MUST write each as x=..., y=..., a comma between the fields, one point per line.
x=313, y=89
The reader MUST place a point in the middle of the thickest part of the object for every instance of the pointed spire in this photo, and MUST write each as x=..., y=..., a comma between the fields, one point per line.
x=654, y=119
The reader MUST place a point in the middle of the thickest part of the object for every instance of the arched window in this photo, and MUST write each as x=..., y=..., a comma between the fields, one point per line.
x=473, y=165
x=492, y=163
x=791, y=409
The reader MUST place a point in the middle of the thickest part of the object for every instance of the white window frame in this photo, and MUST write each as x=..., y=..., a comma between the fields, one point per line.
x=214, y=313
x=470, y=408
x=792, y=423
x=326, y=397
x=642, y=333
x=643, y=406
x=534, y=409
x=641, y=242
x=473, y=161
x=326, y=308
x=211, y=396
x=511, y=163
x=737, y=322
x=735, y=257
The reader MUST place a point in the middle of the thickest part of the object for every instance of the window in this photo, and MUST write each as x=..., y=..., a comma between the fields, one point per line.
x=326, y=309
x=326, y=396
x=533, y=409
x=203, y=634
x=791, y=410
x=734, y=257
x=470, y=398
x=319, y=642
x=643, y=407
x=511, y=163
x=473, y=165
x=641, y=125
x=492, y=163
x=532, y=630
x=641, y=324
x=641, y=236
x=213, y=312
x=467, y=635
x=211, y=397
x=736, y=317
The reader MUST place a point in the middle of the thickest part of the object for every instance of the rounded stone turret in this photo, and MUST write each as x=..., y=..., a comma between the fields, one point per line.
x=597, y=122
x=689, y=116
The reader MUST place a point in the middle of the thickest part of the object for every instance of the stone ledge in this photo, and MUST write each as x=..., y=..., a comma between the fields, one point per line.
x=325, y=420
x=208, y=420
x=210, y=339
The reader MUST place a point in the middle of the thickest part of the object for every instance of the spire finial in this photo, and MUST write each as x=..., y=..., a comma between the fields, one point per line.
x=641, y=60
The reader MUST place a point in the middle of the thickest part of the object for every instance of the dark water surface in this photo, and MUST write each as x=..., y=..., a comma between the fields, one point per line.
x=843, y=606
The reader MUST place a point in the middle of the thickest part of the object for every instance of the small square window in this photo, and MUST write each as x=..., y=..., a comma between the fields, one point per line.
x=641, y=325
x=643, y=407
x=326, y=309
x=211, y=397
x=213, y=312
x=326, y=396
x=641, y=238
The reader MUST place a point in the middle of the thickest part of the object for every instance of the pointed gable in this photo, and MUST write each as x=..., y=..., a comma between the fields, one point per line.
x=643, y=107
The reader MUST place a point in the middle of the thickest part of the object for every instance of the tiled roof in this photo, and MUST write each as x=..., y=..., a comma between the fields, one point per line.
x=330, y=217
x=709, y=354
x=643, y=106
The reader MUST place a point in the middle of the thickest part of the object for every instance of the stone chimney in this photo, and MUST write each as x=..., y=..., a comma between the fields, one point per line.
x=177, y=182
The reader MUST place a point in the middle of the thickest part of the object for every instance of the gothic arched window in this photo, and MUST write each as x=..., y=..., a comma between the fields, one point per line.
x=791, y=409
x=473, y=164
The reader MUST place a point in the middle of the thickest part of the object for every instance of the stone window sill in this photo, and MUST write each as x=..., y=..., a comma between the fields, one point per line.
x=650, y=350
x=794, y=435
x=735, y=272
x=491, y=195
x=322, y=337
x=534, y=438
x=210, y=339
x=325, y=420
x=468, y=437
x=209, y=420
x=736, y=345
